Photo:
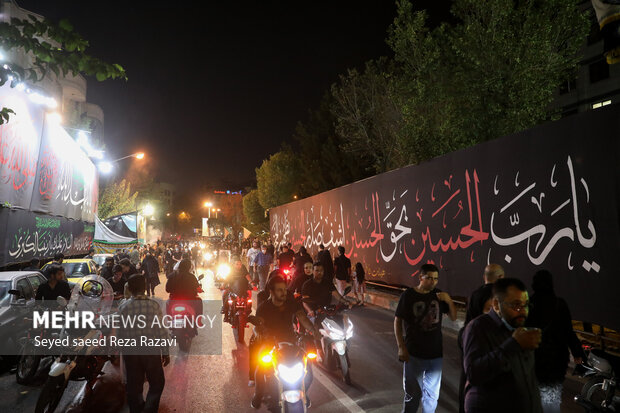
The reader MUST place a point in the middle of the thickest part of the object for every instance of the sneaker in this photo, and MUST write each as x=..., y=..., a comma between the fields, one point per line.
x=256, y=402
x=251, y=383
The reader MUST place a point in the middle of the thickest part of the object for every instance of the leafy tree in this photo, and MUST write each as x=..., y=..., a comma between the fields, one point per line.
x=491, y=74
x=254, y=213
x=324, y=164
x=367, y=116
x=116, y=199
x=278, y=178
x=53, y=48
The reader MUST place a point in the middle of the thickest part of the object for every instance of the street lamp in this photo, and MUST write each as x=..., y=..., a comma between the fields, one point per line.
x=148, y=210
x=208, y=205
x=106, y=166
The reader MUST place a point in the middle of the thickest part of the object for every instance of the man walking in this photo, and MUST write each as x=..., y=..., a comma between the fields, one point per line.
x=498, y=355
x=143, y=362
x=250, y=255
x=342, y=268
x=421, y=309
x=262, y=261
x=325, y=258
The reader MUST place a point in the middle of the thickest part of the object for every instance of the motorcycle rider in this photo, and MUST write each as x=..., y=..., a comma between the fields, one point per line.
x=276, y=320
x=286, y=257
x=301, y=277
x=319, y=291
x=183, y=285
x=238, y=282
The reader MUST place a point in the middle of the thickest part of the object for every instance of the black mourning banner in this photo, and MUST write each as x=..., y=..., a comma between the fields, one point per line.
x=29, y=234
x=545, y=198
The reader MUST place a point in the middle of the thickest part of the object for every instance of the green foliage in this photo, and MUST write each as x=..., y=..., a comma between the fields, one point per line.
x=278, y=178
x=490, y=75
x=324, y=165
x=116, y=199
x=54, y=48
x=254, y=213
x=367, y=116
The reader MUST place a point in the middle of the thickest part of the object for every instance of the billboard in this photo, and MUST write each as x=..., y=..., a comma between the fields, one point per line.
x=543, y=198
x=43, y=173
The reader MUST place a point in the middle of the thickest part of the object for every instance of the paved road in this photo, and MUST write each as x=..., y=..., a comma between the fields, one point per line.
x=218, y=383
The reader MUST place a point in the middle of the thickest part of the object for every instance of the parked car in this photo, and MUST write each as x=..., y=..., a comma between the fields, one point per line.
x=15, y=307
x=76, y=268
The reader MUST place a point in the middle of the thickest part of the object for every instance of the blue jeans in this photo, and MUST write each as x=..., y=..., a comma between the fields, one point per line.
x=421, y=381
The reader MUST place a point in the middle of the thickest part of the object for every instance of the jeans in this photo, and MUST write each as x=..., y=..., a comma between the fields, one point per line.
x=421, y=382
x=136, y=367
x=551, y=397
x=263, y=273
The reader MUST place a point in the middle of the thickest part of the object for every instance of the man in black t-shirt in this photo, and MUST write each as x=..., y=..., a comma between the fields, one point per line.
x=319, y=291
x=56, y=286
x=421, y=309
x=276, y=320
x=117, y=281
x=342, y=269
x=286, y=257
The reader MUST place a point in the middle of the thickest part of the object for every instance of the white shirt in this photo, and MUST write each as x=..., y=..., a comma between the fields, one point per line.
x=251, y=254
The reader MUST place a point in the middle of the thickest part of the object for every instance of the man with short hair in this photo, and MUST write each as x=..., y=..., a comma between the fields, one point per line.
x=134, y=256
x=250, y=255
x=276, y=318
x=140, y=366
x=128, y=268
x=107, y=269
x=325, y=258
x=34, y=265
x=117, y=281
x=262, y=261
x=58, y=258
x=421, y=350
x=318, y=291
x=56, y=286
x=286, y=257
x=499, y=354
x=91, y=252
x=479, y=302
x=342, y=269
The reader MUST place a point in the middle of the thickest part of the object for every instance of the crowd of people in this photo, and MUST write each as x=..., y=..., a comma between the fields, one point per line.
x=515, y=348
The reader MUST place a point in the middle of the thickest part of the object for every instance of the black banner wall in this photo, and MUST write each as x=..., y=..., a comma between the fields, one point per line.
x=29, y=234
x=544, y=198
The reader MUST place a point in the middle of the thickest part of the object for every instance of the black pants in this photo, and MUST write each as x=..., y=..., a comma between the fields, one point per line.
x=136, y=368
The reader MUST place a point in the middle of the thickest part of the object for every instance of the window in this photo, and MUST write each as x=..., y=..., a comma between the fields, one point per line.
x=599, y=70
x=568, y=86
x=35, y=281
x=23, y=286
x=601, y=104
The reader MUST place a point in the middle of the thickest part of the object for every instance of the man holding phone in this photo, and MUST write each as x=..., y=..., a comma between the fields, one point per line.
x=498, y=354
x=420, y=309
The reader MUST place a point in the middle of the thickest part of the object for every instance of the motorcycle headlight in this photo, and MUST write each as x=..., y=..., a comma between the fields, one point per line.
x=291, y=374
x=291, y=396
x=223, y=271
x=207, y=256
x=341, y=347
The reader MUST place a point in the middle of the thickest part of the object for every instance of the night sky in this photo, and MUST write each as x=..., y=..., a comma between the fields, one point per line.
x=215, y=88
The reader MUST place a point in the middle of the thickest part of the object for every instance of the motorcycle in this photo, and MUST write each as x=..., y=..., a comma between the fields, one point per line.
x=80, y=362
x=336, y=331
x=600, y=392
x=30, y=356
x=239, y=308
x=286, y=367
x=182, y=311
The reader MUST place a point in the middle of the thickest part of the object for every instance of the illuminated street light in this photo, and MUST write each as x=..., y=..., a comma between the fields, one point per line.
x=208, y=204
x=139, y=155
x=105, y=167
x=148, y=210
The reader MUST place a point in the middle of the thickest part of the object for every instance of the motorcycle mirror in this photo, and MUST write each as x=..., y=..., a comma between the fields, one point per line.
x=201, y=276
x=347, y=290
x=62, y=301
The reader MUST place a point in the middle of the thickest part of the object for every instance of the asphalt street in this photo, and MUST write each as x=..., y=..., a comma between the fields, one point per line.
x=219, y=383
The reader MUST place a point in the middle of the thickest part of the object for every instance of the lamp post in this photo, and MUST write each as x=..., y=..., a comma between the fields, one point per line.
x=106, y=166
x=208, y=205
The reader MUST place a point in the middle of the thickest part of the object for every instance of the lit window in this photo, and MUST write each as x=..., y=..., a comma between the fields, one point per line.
x=601, y=104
